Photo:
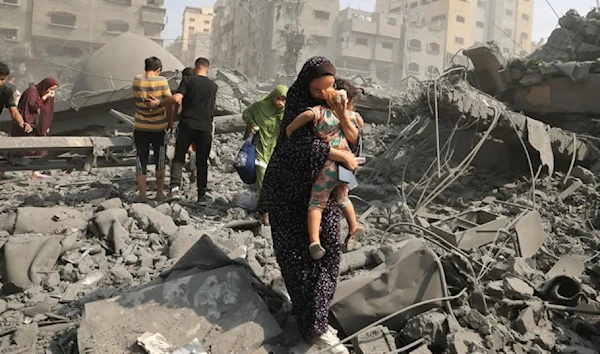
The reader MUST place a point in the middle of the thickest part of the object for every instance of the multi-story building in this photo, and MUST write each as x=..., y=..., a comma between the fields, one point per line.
x=72, y=28
x=257, y=36
x=196, y=32
x=383, y=46
x=469, y=22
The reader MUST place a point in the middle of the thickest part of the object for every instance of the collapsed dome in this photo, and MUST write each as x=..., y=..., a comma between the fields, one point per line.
x=121, y=59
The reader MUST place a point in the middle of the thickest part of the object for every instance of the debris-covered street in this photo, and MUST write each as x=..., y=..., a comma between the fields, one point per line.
x=480, y=197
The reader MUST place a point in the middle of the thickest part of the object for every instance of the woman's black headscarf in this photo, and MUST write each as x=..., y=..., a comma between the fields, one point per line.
x=298, y=97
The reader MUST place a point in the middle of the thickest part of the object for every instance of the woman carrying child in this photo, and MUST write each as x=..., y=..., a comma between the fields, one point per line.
x=332, y=129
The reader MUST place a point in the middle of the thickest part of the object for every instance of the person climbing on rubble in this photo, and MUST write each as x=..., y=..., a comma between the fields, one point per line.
x=263, y=118
x=150, y=125
x=37, y=108
x=285, y=194
x=197, y=94
x=332, y=129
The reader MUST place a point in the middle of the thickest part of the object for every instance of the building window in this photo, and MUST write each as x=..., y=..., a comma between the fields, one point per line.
x=438, y=18
x=192, y=29
x=414, y=44
x=413, y=67
x=414, y=4
x=525, y=17
x=459, y=40
x=117, y=26
x=321, y=15
x=10, y=2
x=207, y=22
x=9, y=34
x=362, y=41
x=508, y=12
x=321, y=40
x=479, y=24
x=432, y=70
x=63, y=19
x=481, y=3
x=152, y=2
x=524, y=36
x=392, y=21
x=387, y=45
x=206, y=30
x=433, y=48
x=460, y=19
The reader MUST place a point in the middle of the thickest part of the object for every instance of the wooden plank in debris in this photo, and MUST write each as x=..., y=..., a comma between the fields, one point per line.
x=8, y=144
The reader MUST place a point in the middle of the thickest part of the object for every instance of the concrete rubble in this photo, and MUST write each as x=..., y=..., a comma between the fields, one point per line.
x=482, y=238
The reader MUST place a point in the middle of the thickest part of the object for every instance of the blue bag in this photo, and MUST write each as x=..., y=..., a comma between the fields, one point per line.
x=245, y=162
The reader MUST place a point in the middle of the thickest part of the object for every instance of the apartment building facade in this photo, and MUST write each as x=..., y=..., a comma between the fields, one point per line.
x=254, y=35
x=197, y=27
x=74, y=28
x=383, y=46
x=470, y=22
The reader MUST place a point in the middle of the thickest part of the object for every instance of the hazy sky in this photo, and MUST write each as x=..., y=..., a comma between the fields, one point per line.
x=544, y=19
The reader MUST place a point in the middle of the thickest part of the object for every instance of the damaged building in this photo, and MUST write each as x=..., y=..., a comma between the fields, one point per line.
x=479, y=195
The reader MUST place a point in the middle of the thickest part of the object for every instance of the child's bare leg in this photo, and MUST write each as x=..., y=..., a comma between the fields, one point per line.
x=350, y=216
x=314, y=223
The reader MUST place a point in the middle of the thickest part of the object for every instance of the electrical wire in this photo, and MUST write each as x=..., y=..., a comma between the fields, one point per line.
x=388, y=317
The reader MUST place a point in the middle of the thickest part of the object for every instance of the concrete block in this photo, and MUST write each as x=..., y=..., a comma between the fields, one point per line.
x=219, y=307
x=409, y=276
x=517, y=289
x=48, y=220
x=530, y=234
x=152, y=220
x=377, y=339
x=525, y=323
x=585, y=175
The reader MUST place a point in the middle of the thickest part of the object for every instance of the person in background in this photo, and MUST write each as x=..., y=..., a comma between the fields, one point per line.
x=37, y=108
x=197, y=95
x=191, y=154
x=7, y=100
x=13, y=86
x=187, y=72
x=150, y=125
x=263, y=118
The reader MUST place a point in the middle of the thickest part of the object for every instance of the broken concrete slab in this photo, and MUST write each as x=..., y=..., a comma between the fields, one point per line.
x=49, y=220
x=411, y=275
x=375, y=340
x=567, y=265
x=219, y=307
x=530, y=234
x=470, y=229
x=27, y=259
x=152, y=220
x=517, y=289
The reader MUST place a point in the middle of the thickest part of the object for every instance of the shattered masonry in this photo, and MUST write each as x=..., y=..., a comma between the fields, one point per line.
x=480, y=197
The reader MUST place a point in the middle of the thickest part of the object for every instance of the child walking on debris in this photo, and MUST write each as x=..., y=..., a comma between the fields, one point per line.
x=328, y=126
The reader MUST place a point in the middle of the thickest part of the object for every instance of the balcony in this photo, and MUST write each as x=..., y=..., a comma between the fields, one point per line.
x=154, y=15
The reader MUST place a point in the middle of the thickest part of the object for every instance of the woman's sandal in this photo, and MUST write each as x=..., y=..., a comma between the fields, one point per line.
x=353, y=239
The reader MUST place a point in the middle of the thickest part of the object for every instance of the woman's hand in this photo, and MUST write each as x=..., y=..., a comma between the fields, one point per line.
x=350, y=161
x=338, y=106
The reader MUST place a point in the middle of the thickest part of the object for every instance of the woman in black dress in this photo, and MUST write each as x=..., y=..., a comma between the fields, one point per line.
x=285, y=195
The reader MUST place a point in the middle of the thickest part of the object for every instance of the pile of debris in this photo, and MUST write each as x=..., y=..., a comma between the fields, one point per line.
x=575, y=39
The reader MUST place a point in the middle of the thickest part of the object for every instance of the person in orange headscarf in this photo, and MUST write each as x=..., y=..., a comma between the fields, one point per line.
x=36, y=105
